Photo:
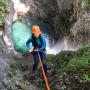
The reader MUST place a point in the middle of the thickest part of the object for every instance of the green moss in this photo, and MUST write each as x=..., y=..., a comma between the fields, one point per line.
x=87, y=2
x=75, y=64
x=13, y=68
x=68, y=60
x=81, y=59
x=62, y=59
x=50, y=59
x=85, y=78
x=2, y=13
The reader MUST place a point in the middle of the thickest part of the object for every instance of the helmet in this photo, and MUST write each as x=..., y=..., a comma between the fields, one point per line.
x=36, y=30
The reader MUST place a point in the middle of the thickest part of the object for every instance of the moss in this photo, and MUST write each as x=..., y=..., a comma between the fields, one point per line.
x=73, y=68
x=62, y=59
x=2, y=13
x=87, y=2
x=13, y=68
x=69, y=60
x=85, y=78
x=50, y=59
x=75, y=64
x=81, y=59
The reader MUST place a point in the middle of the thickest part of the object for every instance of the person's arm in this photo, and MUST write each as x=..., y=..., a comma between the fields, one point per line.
x=27, y=43
x=43, y=44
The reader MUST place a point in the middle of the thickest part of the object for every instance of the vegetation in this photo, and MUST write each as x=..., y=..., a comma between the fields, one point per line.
x=87, y=2
x=13, y=68
x=73, y=68
x=3, y=10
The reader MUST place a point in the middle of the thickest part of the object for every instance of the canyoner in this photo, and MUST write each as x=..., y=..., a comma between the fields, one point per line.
x=39, y=55
x=39, y=45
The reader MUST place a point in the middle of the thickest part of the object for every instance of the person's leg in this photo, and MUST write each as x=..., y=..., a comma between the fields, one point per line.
x=45, y=66
x=43, y=57
x=35, y=55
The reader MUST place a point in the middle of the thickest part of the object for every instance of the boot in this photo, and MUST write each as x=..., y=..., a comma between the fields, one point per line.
x=33, y=73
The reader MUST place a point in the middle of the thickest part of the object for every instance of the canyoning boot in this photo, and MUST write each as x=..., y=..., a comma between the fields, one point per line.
x=33, y=74
x=47, y=75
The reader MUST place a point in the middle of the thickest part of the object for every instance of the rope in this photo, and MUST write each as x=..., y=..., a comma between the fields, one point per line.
x=45, y=78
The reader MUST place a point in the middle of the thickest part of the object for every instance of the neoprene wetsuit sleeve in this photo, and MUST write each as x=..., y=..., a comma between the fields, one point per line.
x=27, y=43
x=43, y=44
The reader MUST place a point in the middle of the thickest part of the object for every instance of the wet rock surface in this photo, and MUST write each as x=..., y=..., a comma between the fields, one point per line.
x=11, y=78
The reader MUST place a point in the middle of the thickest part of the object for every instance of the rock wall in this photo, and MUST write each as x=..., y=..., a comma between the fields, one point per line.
x=81, y=28
x=52, y=12
x=67, y=16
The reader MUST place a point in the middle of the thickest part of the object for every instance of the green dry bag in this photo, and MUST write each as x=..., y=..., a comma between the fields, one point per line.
x=21, y=33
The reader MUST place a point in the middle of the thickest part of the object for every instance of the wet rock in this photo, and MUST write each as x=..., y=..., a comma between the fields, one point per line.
x=11, y=78
x=80, y=29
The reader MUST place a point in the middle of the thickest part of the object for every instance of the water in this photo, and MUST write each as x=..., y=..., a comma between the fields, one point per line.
x=61, y=45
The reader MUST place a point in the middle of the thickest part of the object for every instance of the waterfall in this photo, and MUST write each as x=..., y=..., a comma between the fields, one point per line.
x=60, y=46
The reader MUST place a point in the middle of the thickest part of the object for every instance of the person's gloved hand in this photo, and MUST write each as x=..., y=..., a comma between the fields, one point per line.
x=35, y=50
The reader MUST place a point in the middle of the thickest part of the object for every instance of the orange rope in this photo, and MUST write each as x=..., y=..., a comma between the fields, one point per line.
x=45, y=78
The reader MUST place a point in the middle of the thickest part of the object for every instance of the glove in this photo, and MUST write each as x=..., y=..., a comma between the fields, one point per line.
x=35, y=50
